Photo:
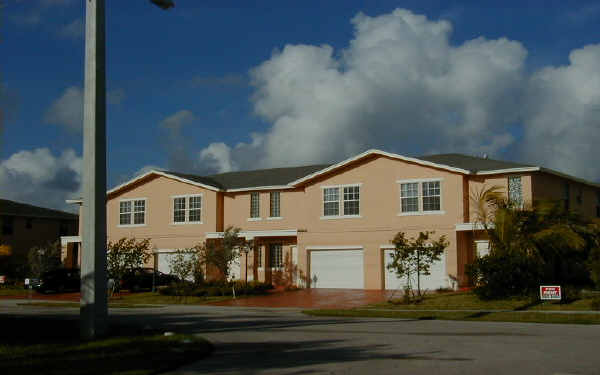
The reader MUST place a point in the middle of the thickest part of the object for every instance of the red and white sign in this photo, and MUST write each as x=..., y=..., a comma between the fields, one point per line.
x=2, y=279
x=550, y=292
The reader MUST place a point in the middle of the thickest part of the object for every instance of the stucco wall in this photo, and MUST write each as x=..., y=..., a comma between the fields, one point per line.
x=550, y=187
x=159, y=226
x=477, y=184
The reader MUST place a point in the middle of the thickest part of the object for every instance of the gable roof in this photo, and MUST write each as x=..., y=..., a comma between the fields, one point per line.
x=12, y=208
x=291, y=177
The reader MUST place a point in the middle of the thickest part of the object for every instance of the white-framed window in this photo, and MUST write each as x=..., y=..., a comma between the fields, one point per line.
x=254, y=205
x=351, y=200
x=187, y=209
x=132, y=212
x=275, y=204
x=409, y=197
x=431, y=195
x=331, y=201
x=420, y=197
x=341, y=201
x=276, y=255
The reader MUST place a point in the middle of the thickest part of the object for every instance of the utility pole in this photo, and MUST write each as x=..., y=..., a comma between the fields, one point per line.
x=93, y=302
x=94, y=306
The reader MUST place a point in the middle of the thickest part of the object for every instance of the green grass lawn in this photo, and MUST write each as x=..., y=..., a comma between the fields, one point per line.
x=76, y=305
x=129, y=300
x=136, y=300
x=522, y=317
x=13, y=291
x=150, y=298
x=520, y=310
x=51, y=346
x=469, y=301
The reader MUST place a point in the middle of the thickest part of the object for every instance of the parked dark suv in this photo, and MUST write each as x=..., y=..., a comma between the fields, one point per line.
x=60, y=280
x=141, y=279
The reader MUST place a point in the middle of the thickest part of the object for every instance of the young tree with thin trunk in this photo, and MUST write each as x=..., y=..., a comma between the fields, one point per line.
x=414, y=257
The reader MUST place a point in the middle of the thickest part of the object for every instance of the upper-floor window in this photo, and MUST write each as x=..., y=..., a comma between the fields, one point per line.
x=276, y=255
x=341, y=201
x=254, y=205
x=29, y=223
x=420, y=197
x=275, y=204
x=409, y=197
x=515, y=190
x=132, y=212
x=598, y=204
x=187, y=209
x=7, y=225
x=431, y=196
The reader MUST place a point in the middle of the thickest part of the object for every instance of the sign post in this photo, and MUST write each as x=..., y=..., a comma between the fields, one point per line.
x=550, y=292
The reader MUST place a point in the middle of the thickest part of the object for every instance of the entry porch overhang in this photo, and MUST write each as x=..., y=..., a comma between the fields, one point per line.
x=251, y=234
x=471, y=226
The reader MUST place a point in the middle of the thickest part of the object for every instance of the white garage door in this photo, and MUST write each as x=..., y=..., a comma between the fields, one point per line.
x=437, y=279
x=337, y=269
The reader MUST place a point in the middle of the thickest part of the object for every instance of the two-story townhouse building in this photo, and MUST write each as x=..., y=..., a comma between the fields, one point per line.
x=335, y=222
x=24, y=226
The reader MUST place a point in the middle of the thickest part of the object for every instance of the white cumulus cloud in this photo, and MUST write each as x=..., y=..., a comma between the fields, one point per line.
x=218, y=157
x=399, y=86
x=562, y=115
x=41, y=178
x=67, y=110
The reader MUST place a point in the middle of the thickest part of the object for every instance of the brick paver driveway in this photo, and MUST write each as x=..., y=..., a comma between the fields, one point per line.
x=313, y=298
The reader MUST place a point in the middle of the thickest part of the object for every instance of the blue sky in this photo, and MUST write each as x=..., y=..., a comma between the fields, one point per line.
x=213, y=86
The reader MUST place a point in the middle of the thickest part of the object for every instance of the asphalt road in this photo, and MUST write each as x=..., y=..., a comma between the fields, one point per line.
x=283, y=341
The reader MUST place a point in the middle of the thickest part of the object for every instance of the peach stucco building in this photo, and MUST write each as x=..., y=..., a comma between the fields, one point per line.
x=334, y=222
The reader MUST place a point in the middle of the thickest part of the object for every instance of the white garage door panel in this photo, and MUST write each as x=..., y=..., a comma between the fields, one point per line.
x=337, y=268
x=437, y=279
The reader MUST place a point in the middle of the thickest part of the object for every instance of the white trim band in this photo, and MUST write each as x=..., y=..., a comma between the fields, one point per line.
x=335, y=247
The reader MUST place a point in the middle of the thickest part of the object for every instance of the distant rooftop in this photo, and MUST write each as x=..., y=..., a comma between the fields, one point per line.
x=11, y=208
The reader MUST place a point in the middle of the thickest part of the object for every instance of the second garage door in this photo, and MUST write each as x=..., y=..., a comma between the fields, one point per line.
x=337, y=268
x=437, y=278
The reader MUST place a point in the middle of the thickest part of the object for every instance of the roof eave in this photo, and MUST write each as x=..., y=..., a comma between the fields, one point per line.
x=271, y=187
x=164, y=174
x=377, y=152
x=509, y=170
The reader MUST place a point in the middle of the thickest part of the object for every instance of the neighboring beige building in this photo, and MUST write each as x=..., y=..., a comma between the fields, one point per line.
x=334, y=222
x=25, y=226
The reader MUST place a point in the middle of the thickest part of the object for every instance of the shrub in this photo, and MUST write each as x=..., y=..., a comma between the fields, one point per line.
x=501, y=275
x=595, y=303
x=215, y=289
x=46, y=258
x=570, y=294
